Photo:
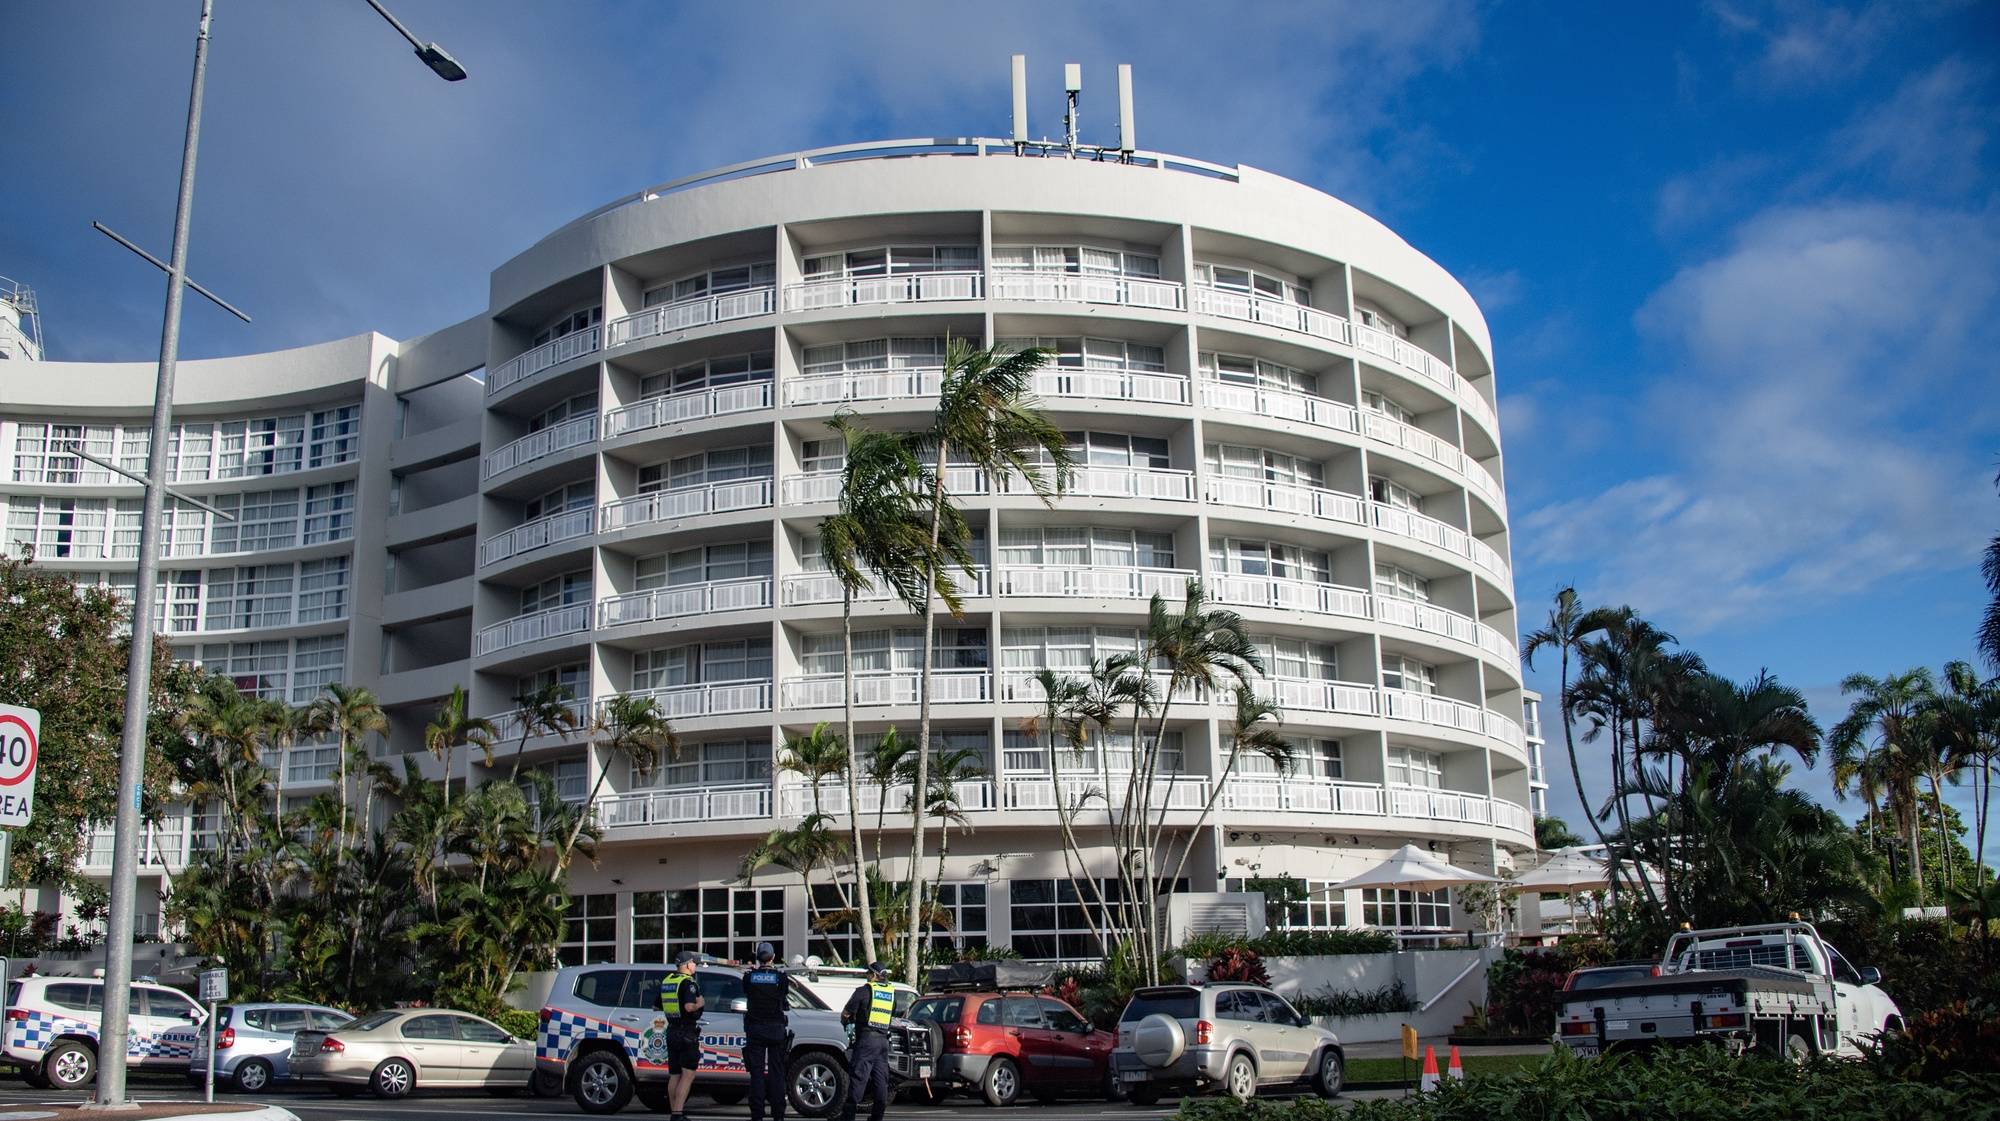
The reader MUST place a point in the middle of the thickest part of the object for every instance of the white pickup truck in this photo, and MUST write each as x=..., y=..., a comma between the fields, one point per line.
x=1779, y=988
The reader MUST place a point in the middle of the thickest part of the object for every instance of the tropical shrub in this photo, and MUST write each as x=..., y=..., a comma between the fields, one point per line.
x=1523, y=988
x=1962, y=1037
x=1392, y=997
x=1290, y=943
x=1239, y=965
x=518, y=1022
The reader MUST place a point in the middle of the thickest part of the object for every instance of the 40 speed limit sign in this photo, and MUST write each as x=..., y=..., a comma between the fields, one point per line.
x=20, y=748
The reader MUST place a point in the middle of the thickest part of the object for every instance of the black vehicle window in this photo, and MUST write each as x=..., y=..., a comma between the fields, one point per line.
x=252, y=1017
x=285, y=1020
x=1176, y=1004
x=323, y=1020
x=1237, y=1004
x=989, y=1012
x=135, y=1003
x=372, y=1021
x=1842, y=972
x=603, y=986
x=644, y=991
x=938, y=1009
x=14, y=993
x=718, y=989
x=1060, y=1018
x=429, y=1027
x=1598, y=978
x=1279, y=1011
x=479, y=1031
x=1021, y=1012
x=76, y=997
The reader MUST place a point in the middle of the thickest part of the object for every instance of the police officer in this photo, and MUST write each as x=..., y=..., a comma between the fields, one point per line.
x=869, y=1010
x=765, y=1038
x=681, y=1003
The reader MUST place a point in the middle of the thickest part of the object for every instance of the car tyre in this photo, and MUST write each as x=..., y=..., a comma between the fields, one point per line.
x=1144, y=1094
x=602, y=1083
x=727, y=1095
x=654, y=1098
x=546, y=1084
x=253, y=1076
x=1240, y=1081
x=816, y=1083
x=1330, y=1075
x=1798, y=1050
x=1002, y=1082
x=393, y=1078
x=33, y=1077
x=69, y=1065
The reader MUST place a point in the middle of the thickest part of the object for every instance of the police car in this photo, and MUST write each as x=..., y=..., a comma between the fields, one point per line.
x=603, y=1035
x=52, y=1023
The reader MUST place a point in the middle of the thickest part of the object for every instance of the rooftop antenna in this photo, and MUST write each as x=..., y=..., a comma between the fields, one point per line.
x=1020, y=104
x=1127, y=140
x=1072, y=87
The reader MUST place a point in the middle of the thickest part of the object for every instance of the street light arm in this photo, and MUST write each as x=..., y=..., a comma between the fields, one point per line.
x=433, y=56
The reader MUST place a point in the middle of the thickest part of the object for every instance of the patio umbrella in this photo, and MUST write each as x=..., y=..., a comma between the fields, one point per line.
x=1413, y=868
x=1564, y=872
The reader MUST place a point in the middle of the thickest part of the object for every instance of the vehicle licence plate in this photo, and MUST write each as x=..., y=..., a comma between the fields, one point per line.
x=1131, y=1076
x=1617, y=1025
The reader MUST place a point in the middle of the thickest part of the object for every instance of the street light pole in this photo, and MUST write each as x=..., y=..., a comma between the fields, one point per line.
x=112, y=1045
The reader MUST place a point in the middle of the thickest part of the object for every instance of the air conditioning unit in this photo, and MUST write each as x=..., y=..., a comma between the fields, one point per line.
x=1236, y=913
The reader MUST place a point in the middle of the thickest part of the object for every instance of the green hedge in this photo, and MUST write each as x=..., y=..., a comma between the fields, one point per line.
x=1701, y=1084
x=1291, y=943
x=1392, y=997
x=518, y=1022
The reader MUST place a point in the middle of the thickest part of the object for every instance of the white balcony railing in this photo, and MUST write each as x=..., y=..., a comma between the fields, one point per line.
x=1429, y=708
x=1112, y=385
x=565, y=526
x=570, y=433
x=682, y=807
x=1085, y=792
x=1286, y=594
x=1409, y=356
x=673, y=408
x=747, y=594
x=863, y=385
x=890, y=687
x=1121, y=482
x=1089, y=581
x=797, y=800
x=1280, y=404
x=1021, y=686
x=711, y=698
x=1253, y=794
x=1285, y=498
x=848, y=291
x=552, y=353
x=684, y=502
x=824, y=486
x=1231, y=304
x=523, y=629
x=1480, y=479
x=1476, y=405
x=820, y=587
x=508, y=726
x=697, y=312
x=1051, y=286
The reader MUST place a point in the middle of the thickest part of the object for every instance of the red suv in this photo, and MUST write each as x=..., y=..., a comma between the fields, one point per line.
x=1005, y=1044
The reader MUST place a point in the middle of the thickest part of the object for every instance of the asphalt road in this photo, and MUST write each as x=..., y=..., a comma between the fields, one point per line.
x=314, y=1105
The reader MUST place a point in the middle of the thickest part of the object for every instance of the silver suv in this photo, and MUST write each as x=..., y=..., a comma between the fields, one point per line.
x=1241, y=1038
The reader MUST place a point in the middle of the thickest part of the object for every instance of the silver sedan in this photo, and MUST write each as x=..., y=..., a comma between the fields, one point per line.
x=398, y=1050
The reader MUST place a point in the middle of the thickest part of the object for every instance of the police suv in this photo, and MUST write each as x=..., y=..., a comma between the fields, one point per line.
x=52, y=1024
x=602, y=1034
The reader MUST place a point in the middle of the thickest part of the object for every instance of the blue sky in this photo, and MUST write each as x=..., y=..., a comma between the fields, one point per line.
x=1738, y=258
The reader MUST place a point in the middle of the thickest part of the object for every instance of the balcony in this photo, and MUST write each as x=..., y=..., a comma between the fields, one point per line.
x=1051, y=286
x=697, y=312
x=1429, y=708
x=851, y=291
x=1120, y=482
x=1064, y=581
x=1286, y=498
x=673, y=408
x=571, y=433
x=682, y=601
x=820, y=587
x=1287, y=594
x=1313, y=694
x=1280, y=405
x=1112, y=385
x=864, y=385
x=1228, y=303
x=887, y=687
x=511, y=725
x=681, y=807
x=1021, y=686
x=1039, y=792
x=1245, y=794
x=552, y=353
x=684, y=502
x=712, y=698
x=1409, y=356
x=1506, y=730
x=798, y=800
x=824, y=486
x=565, y=526
x=523, y=629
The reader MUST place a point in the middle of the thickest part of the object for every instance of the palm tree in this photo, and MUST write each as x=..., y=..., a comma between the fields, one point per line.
x=1255, y=731
x=986, y=417
x=1568, y=626
x=634, y=730
x=1062, y=721
x=1989, y=623
x=801, y=849
x=352, y=714
x=816, y=756
x=880, y=532
x=1117, y=683
x=888, y=764
x=1966, y=725
x=452, y=728
x=953, y=767
x=1886, y=721
x=545, y=711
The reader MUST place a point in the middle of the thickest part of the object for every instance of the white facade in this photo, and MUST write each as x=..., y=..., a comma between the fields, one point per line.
x=1268, y=389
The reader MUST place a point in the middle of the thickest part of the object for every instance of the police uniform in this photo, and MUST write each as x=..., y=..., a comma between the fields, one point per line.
x=765, y=1038
x=870, y=1009
x=677, y=999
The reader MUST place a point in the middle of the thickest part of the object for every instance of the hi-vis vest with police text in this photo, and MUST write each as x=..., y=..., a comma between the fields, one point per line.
x=881, y=1004
x=670, y=997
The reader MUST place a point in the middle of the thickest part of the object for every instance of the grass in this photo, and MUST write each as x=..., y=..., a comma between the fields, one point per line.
x=1395, y=1070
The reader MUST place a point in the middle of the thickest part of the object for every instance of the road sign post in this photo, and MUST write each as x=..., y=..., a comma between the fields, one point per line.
x=214, y=988
x=20, y=749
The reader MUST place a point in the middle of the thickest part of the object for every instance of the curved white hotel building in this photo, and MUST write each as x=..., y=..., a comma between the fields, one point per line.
x=612, y=478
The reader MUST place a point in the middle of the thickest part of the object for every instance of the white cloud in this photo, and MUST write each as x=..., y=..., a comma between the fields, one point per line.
x=1802, y=44
x=1931, y=134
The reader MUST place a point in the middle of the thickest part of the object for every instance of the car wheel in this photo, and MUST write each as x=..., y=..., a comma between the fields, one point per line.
x=393, y=1078
x=602, y=1083
x=253, y=1076
x=1002, y=1083
x=1112, y=1089
x=1331, y=1075
x=69, y=1066
x=1143, y=1094
x=1798, y=1051
x=546, y=1083
x=654, y=1098
x=34, y=1078
x=818, y=1084
x=1241, y=1081
x=727, y=1095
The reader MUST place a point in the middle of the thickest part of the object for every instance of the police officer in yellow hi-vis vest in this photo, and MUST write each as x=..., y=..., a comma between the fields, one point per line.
x=681, y=1003
x=869, y=1011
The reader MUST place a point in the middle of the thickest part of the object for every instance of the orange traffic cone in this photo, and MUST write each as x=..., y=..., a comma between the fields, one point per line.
x=1429, y=1081
x=1455, y=1070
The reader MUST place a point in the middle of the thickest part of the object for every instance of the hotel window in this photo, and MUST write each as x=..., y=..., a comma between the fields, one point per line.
x=135, y=446
x=715, y=282
x=257, y=668
x=1253, y=282
x=265, y=519
x=1235, y=369
x=1400, y=583
x=720, y=763
x=312, y=762
x=240, y=598
x=965, y=903
x=335, y=436
x=183, y=530
x=1030, y=754
x=556, y=591
x=1317, y=759
x=873, y=355
x=323, y=589
x=590, y=930
x=1298, y=658
x=738, y=660
x=191, y=455
x=894, y=260
x=1078, y=259
x=724, y=922
x=1047, y=546
x=572, y=781
x=822, y=457
x=1069, y=650
x=1399, y=672
x=47, y=453
x=1118, y=449
x=1405, y=909
x=1409, y=766
x=1095, y=354
x=264, y=446
x=58, y=527
x=569, y=325
x=1394, y=494
x=901, y=649
x=1237, y=462
x=583, y=404
x=702, y=564
x=1237, y=557
x=1378, y=403
x=571, y=496
x=735, y=369
x=1324, y=907
x=1372, y=316
x=574, y=677
x=329, y=513
x=702, y=468
x=177, y=601
x=317, y=663
x=1047, y=918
